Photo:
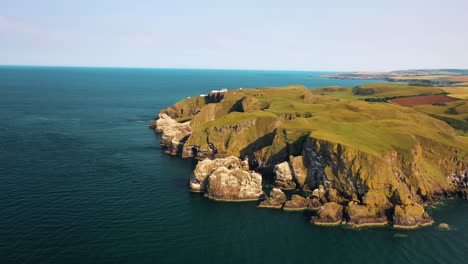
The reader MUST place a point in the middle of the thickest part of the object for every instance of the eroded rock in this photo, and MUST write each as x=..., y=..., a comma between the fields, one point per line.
x=360, y=215
x=206, y=167
x=235, y=184
x=284, y=176
x=410, y=216
x=444, y=226
x=174, y=134
x=276, y=199
x=370, y=213
x=329, y=214
x=299, y=203
x=299, y=170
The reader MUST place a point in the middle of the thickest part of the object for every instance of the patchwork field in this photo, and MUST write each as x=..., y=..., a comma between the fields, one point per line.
x=448, y=104
x=422, y=100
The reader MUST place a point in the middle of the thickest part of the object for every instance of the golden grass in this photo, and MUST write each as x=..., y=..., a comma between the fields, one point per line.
x=459, y=92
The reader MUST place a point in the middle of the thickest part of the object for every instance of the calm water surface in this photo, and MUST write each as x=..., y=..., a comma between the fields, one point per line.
x=84, y=181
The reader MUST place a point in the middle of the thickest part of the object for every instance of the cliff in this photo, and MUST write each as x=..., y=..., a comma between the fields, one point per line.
x=365, y=163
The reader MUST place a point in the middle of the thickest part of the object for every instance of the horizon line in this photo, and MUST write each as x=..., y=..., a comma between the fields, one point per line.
x=220, y=69
x=160, y=68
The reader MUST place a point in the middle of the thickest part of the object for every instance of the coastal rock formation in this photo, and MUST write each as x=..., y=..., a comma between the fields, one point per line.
x=319, y=193
x=329, y=214
x=276, y=199
x=284, y=177
x=363, y=215
x=444, y=226
x=299, y=203
x=300, y=173
x=234, y=185
x=206, y=167
x=410, y=216
x=174, y=134
x=372, y=212
x=459, y=180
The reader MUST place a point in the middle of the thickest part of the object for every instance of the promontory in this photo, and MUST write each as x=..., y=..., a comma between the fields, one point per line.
x=352, y=155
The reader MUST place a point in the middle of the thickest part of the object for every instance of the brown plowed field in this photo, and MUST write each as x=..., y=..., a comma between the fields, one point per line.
x=422, y=100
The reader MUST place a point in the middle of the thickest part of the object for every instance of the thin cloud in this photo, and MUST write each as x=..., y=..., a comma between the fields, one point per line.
x=145, y=40
x=29, y=30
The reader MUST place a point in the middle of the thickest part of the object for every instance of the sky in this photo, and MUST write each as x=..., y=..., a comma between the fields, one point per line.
x=332, y=35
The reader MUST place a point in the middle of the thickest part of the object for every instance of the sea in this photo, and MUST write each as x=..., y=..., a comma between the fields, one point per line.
x=84, y=180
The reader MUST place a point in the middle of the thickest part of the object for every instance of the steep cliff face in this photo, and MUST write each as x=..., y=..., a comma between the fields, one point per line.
x=361, y=163
x=417, y=176
x=374, y=185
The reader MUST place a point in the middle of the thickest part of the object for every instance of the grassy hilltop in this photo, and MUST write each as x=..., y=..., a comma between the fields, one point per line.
x=338, y=114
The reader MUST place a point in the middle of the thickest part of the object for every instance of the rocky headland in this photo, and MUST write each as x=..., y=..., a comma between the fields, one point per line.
x=352, y=162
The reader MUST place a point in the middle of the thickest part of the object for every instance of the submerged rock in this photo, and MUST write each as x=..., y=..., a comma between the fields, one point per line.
x=284, y=177
x=410, y=216
x=235, y=184
x=299, y=203
x=276, y=199
x=400, y=235
x=329, y=214
x=444, y=226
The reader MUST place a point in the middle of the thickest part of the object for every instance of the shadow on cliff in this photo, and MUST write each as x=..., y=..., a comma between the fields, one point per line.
x=264, y=141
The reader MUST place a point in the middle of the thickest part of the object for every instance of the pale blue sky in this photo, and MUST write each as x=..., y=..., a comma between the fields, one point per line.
x=330, y=35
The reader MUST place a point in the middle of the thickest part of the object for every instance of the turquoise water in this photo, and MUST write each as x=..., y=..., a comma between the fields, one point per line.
x=83, y=180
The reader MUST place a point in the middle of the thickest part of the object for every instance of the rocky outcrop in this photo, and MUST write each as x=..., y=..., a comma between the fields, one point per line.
x=174, y=134
x=300, y=172
x=234, y=185
x=371, y=212
x=284, y=177
x=459, y=180
x=226, y=179
x=444, y=226
x=329, y=214
x=276, y=199
x=410, y=216
x=206, y=167
x=299, y=203
x=359, y=215
x=319, y=193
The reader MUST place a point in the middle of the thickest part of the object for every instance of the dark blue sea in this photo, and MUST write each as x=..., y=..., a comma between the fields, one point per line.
x=83, y=180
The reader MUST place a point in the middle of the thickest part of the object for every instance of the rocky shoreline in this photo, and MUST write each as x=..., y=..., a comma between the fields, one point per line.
x=330, y=179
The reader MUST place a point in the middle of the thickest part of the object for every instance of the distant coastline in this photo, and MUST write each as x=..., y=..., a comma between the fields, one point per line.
x=439, y=77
